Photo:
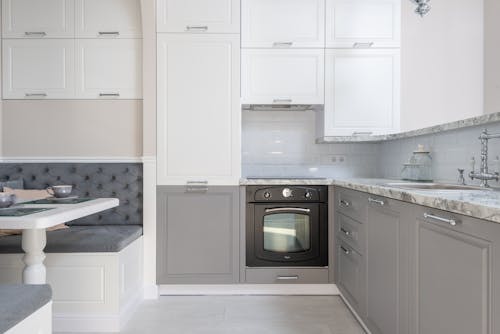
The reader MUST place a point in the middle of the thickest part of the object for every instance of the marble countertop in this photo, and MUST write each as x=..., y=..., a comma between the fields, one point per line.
x=482, y=204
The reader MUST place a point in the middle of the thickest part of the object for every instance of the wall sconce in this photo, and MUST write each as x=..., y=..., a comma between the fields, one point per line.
x=423, y=6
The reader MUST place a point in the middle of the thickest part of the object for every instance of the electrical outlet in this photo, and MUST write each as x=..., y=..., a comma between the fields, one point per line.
x=333, y=159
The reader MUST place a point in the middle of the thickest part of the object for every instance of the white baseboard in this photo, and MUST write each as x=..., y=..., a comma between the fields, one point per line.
x=250, y=289
x=356, y=315
x=151, y=291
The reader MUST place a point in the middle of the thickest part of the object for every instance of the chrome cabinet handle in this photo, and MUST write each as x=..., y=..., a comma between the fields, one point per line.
x=282, y=101
x=287, y=278
x=109, y=33
x=35, y=94
x=203, y=28
x=288, y=209
x=344, y=203
x=35, y=33
x=452, y=222
x=376, y=201
x=362, y=133
x=109, y=94
x=365, y=45
x=282, y=44
x=346, y=232
x=196, y=186
x=345, y=250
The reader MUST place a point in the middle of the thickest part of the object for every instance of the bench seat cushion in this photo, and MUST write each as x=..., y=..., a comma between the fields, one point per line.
x=17, y=302
x=80, y=239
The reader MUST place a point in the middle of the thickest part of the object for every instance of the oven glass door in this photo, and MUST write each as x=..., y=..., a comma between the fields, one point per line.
x=287, y=232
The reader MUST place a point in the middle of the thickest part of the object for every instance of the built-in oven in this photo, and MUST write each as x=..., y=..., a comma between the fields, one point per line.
x=287, y=226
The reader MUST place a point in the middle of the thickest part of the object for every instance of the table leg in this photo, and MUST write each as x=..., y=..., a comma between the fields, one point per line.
x=33, y=243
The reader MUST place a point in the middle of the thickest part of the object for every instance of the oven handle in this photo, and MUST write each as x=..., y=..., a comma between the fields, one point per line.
x=287, y=209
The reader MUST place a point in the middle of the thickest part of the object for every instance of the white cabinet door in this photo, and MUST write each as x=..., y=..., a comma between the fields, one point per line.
x=109, y=68
x=108, y=18
x=198, y=16
x=36, y=18
x=283, y=23
x=363, y=23
x=38, y=68
x=362, y=92
x=199, y=118
x=282, y=76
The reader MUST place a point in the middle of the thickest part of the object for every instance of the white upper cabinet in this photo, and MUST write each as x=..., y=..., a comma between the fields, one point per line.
x=272, y=76
x=37, y=18
x=198, y=16
x=362, y=92
x=199, y=115
x=283, y=23
x=38, y=68
x=109, y=68
x=108, y=18
x=363, y=23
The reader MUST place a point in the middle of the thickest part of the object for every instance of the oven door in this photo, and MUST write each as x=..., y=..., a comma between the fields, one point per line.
x=286, y=234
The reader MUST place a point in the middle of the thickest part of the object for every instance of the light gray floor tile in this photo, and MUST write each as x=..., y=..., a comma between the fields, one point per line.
x=243, y=315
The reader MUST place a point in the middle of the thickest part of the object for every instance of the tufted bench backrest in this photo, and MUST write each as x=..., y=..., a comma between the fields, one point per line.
x=120, y=180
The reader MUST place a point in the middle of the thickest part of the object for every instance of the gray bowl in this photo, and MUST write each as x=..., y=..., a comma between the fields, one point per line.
x=6, y=200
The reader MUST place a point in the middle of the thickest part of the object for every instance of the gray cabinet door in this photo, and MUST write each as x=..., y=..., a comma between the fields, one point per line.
x=197, y=235
x=385, y=267
x=351, y=275
x=455, y=270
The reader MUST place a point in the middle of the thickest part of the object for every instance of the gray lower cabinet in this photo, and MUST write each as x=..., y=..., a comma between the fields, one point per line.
x=197, y=235
x=455, y=274
x=386, y=266
x=351, y=275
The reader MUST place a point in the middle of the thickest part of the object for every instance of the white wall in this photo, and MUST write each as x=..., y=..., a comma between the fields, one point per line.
x=442, y=62
x=492, y=56
x=58, y=128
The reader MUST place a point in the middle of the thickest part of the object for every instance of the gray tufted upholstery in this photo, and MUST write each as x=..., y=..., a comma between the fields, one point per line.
x=123, y=181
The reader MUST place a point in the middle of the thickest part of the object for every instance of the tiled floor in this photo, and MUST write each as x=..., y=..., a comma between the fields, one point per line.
x=244, y=315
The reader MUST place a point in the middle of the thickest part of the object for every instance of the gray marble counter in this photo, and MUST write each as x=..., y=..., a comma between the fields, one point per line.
x=482, y=204
x=474, y=121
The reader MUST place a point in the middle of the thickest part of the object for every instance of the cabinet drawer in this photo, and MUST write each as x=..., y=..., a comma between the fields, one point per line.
x=350, y=275
x=352, y=204
x=351, y=232
x=286, y=275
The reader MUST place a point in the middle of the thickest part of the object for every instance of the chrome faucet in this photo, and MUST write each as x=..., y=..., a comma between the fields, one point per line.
x=484, y=175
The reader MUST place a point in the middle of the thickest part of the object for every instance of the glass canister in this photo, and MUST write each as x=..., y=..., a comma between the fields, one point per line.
x=419, y=167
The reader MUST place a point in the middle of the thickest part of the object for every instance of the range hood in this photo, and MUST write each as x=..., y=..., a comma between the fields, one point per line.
x=281, y=107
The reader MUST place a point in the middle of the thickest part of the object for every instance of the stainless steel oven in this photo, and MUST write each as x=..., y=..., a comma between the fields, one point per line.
x=287, y=226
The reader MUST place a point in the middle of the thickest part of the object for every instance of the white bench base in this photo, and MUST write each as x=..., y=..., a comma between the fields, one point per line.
x=92, y=292
x=39, y=322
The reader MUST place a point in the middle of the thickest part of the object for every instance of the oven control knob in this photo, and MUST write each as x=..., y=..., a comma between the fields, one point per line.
x=308, y=195
x=267, y=195
x=287, y=192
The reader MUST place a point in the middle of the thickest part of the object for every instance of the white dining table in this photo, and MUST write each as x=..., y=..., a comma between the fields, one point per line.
x=34, y=236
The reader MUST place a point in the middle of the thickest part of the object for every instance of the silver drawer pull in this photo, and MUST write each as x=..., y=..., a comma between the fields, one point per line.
x=359, y=45
x=362, y=133
x=35, y=94
x=202, y=28
x=109, y=33
x=282, y=101
x=345, y=250
x=346, y=232
x=35, y=33
x=109, y=94
x=376, y=201
x=287, y=278
x=282, y=44
x=288, y=209
x=196, y=186
x=452, y=222
x=344, y=203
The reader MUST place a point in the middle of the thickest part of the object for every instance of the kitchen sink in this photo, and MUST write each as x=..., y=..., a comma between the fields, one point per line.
x=433, y=186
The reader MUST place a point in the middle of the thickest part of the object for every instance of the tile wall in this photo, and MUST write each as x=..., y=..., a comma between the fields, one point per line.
x=282, y=143
x=450, y=150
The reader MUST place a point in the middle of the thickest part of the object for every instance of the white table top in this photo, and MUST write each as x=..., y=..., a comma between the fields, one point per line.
x=61, y=213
